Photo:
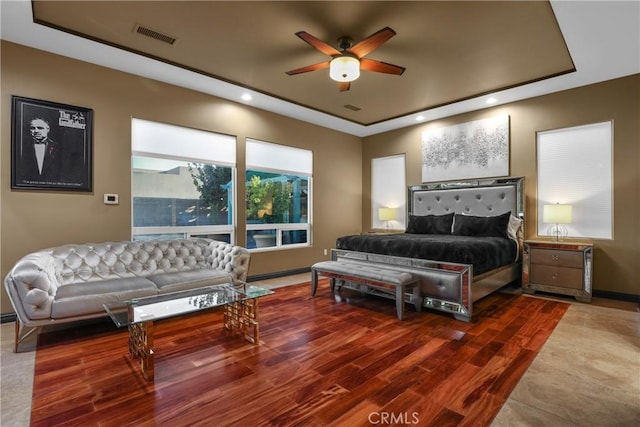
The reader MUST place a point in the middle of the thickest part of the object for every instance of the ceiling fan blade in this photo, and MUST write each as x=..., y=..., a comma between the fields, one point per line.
x=372, y=42
x=318, y=44
x=344, y=86
x=380, y=67
x=308, y=68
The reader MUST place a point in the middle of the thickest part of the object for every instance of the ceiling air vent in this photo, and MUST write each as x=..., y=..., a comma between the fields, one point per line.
x=352, y=107
x=145, y=31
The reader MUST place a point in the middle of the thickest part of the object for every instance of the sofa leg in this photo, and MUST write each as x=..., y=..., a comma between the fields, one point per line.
x=22, y=332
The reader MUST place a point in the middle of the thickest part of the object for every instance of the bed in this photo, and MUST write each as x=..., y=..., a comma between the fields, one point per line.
x=463, y=240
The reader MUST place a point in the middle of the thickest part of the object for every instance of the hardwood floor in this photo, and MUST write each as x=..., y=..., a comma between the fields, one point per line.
x=320, y=362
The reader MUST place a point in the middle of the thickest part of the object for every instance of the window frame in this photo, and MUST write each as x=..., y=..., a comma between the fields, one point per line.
x=187, y=231
x=280, y=228
x=164, y=134
x=571, y=182
x=389, y=190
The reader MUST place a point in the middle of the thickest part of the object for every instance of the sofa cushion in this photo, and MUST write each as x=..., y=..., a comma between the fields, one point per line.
x=85, y=298
x=182, y=280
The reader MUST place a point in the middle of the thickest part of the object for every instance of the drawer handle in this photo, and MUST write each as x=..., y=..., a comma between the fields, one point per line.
x=555, y=257
x=554, y=276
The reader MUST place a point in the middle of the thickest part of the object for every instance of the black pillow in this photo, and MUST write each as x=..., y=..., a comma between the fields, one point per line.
x=430, y=224
x=482, y=226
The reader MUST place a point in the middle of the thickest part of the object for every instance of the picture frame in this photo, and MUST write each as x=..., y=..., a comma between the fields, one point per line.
x=51, y=146
x=471, y=150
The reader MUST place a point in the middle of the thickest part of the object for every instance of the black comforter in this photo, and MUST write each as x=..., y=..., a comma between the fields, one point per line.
x=484, y=253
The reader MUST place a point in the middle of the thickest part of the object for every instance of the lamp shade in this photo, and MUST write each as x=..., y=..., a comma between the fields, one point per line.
x=557, y=214
x=344, y=69
x=386, y=214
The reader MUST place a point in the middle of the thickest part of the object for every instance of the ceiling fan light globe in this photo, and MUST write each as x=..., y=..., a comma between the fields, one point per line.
x=344, y=69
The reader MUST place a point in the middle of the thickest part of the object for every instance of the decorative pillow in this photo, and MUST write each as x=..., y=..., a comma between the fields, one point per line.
x=430, y=224
x=513, y=229
x=481, y=226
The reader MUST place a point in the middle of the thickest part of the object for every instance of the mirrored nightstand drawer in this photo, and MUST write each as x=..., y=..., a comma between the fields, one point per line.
x=558, y=267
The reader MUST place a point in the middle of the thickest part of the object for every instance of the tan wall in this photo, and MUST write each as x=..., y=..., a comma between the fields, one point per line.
x=32, y=220
x=615, y=261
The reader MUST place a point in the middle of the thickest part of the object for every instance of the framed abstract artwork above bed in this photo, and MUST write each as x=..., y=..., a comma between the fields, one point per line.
x=476, y=149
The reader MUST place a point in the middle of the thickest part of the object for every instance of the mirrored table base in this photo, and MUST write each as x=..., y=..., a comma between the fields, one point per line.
x=240, y=318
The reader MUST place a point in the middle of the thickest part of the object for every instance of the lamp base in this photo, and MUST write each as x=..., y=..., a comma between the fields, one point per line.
x=558, y=231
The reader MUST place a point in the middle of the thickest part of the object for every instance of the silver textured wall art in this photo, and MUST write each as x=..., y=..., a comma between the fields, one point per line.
x=476, y=149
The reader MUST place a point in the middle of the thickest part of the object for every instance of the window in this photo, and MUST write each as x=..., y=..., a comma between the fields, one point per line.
x=575, y=168
x=278, y=195
x=182, y=182
x=388, y=192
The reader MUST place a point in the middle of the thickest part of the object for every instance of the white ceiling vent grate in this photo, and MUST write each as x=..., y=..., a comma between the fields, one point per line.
x=145, y=31
x=352, y=107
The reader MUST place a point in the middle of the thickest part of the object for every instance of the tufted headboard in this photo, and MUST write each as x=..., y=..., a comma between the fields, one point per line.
x=481, y=198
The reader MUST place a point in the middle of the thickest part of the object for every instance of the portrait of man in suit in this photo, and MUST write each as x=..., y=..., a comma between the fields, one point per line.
x=41, y=159
x=51, y=146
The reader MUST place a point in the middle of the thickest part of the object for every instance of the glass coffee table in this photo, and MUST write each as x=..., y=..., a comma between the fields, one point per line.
x=240, y=315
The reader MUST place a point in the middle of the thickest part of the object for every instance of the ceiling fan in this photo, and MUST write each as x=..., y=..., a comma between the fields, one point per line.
x=346, y=63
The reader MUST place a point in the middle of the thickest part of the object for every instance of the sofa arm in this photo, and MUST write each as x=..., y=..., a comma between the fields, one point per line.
x=230, y=258
x=32, y=284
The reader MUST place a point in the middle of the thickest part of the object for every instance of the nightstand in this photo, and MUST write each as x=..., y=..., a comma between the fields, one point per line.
x=558, y=267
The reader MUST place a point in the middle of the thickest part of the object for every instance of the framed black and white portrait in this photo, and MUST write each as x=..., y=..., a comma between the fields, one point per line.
x=51, y=145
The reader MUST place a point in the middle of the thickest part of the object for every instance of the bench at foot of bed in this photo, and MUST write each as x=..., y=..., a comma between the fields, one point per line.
x=390, y=283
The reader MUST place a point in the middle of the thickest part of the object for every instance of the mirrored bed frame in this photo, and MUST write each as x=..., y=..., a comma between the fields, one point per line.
x=446, y=286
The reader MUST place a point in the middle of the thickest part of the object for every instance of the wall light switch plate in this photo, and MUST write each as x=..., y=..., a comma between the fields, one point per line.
x=111, y=199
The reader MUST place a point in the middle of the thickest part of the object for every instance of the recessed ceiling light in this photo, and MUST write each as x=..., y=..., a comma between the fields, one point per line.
x=419, y=118
x=246, y=97
x=491, y=100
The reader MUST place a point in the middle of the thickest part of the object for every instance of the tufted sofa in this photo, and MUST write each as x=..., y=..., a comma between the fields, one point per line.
x=71, y=282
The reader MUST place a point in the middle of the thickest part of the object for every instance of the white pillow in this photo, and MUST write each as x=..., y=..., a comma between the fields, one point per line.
x=513, y=229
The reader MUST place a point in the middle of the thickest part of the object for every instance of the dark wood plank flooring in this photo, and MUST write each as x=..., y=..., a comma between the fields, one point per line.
x=320, y=362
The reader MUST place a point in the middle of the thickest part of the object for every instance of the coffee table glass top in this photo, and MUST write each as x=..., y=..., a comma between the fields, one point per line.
x=163, y=306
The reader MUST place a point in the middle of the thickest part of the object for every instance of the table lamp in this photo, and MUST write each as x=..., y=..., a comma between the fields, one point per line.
x=557, y=215
x=386, y=215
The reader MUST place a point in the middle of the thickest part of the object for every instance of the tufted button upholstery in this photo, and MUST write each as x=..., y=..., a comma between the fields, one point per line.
x=232, y=259
x=38, y=281
x=35, y=279
x=111, y=260
x=473, y=201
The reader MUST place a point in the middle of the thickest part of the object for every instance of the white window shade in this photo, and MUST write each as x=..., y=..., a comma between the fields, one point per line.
x=176, y=141
x=276, y=157
x=388, y=190
x=575, y=168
